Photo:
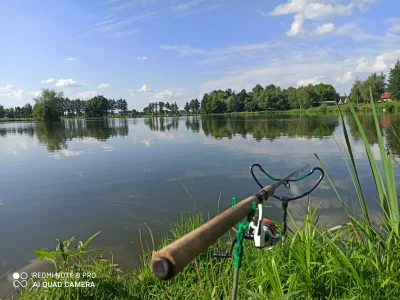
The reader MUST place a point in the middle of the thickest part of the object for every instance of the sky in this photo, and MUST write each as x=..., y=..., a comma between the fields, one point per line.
x=174, y=50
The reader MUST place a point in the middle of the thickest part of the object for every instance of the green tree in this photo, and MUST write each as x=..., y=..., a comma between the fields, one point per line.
x=194, y=105
x=326, y=92
x=2, y=111
x=355, y=92
x=122, y=106
x=48, y=106
x=258, y=96
x=231, y=103
x=26, y=111
x=96, y=107
x=241, y=98
x=306, y=96
x=293, y=100
x=250, y=104
x=17, y=112
x=174, y=107
x=377, y=84
x=168, y=106
x=187, y=107
x=161, y=106
x=394, y=81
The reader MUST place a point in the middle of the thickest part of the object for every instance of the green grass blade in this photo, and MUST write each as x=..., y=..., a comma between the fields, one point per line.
x=355, y=178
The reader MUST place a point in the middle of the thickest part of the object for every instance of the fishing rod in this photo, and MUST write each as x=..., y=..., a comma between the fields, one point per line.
x=172, y=259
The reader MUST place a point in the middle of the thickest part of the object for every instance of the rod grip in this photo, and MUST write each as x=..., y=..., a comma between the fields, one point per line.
x=172, y=259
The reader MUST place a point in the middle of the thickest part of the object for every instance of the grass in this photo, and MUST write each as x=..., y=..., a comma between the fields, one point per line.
x=16, y=119
x=355, y=260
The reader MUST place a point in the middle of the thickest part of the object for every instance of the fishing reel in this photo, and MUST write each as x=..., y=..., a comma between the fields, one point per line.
x=263, y=231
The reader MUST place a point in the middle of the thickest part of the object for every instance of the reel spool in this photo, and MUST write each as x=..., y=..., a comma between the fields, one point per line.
x=268, y=236
x=263, y=231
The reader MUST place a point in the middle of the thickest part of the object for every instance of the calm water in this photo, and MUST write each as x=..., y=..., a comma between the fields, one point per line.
x=59, y=180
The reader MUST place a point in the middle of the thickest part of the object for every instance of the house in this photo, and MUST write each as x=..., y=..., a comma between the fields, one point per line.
x=342, y=100
x=386, y=97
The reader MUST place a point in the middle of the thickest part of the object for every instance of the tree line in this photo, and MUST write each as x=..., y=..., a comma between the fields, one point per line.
x=160, y=108
x=16, y=112
x=360, y=92
x=273, y=97
x=269, y=98
x=192, y=106
x=50, y=106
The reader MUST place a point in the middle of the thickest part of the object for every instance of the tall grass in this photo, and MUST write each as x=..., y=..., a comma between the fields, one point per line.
x=354, y=260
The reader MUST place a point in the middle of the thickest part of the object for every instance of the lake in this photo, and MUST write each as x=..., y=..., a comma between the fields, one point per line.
x=76, y=177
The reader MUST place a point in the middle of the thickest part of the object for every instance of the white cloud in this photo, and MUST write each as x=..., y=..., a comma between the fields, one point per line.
x=382, y=62
x=11, y=90
x=145, y=16
x=354, y=31
x=169, y=94
x=112, y=26
x=321, y=11
x=362, y=4
x=145, y=89
x=100, y=24
x=180, y=94
x=68, y=83
x=141, y=57
x=34, y=94
x=222, y=54
x=315, y=10
x=347, y=77
x=312, y=9
x=185, y=50
x=187, y=5
x=120, y=34
x=324, y=29
x=307, y=81
x=292, y=7
x=297, y=26
x=394, y=24
x=104, y=85
x=50, y=80
x=70, y=59
x=132, y=92
x=164, y=94
x=86, y=95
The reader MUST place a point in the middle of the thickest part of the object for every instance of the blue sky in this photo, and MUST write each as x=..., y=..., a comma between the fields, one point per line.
x=174, y=50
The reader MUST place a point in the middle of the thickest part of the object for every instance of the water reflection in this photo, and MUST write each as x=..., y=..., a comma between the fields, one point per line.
x=162, y=124
x=55, y=135
x=268, y=127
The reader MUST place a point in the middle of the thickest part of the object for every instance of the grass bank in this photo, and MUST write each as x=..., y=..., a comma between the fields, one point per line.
x=16, y=119
x=392, y=107
x=354, y=260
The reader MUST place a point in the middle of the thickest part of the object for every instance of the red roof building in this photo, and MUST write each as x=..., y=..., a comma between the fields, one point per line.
x=386, y=95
